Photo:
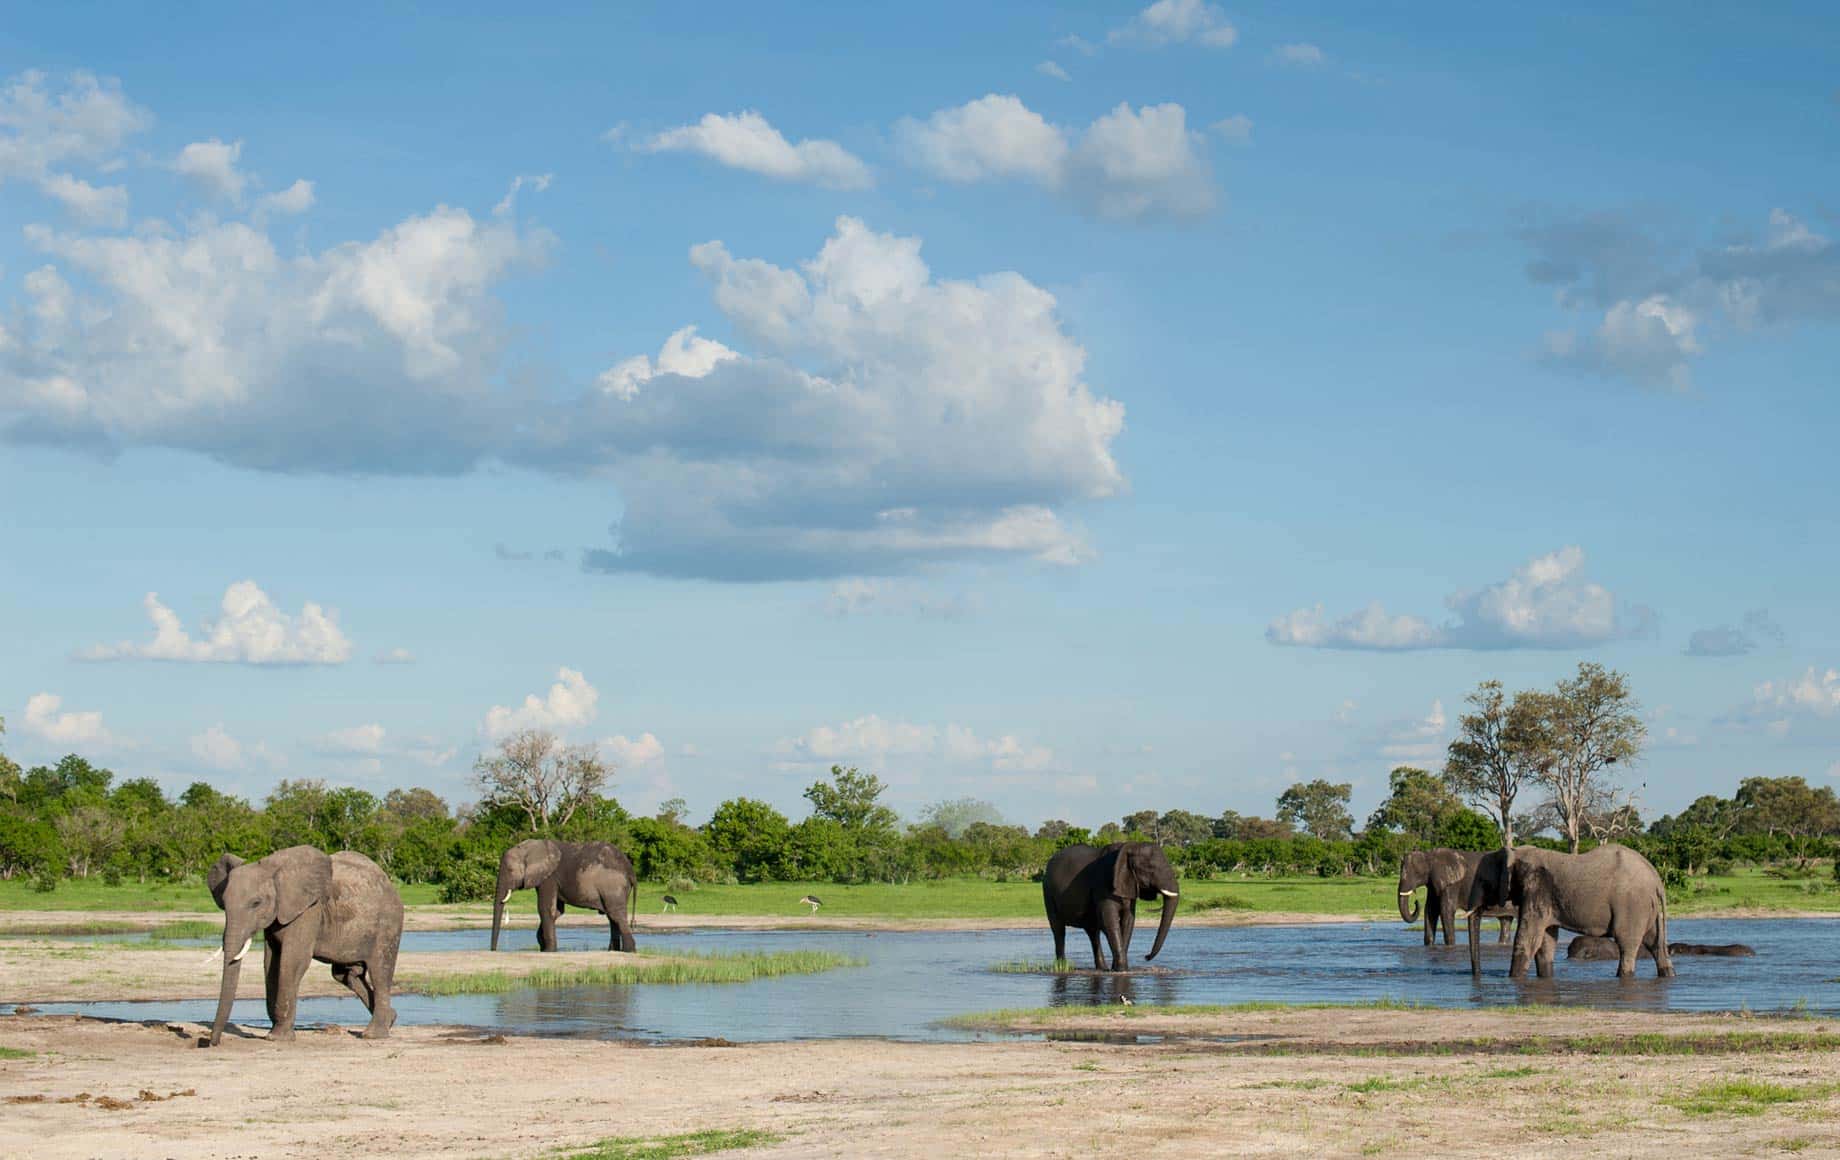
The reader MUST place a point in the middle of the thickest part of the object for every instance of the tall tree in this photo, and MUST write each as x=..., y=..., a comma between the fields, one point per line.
x=1586, y=725
x=849, y=799
x=1320, y=807
x=535, y=772
x=957, y=815
x=1788, y=806
x=1495, y=755
x=1417, y=805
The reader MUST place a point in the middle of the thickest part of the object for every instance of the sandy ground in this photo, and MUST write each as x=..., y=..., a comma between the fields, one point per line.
x=429, y=1092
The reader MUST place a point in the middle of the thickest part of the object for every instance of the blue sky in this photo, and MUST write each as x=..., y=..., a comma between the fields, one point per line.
x=1088, y=408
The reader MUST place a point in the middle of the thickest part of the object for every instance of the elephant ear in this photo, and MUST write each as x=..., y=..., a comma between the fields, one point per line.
x=541, y=861
x=1527, y=879
x=1124, y=874
x=303, y=876
x=218, y=877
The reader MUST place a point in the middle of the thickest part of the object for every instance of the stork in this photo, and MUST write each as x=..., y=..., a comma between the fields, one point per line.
x=812, y=901
x=670, y=904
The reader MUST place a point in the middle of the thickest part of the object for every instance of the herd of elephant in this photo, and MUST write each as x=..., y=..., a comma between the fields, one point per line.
x=342, y=909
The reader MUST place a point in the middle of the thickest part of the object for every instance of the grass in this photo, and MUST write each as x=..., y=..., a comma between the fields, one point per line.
x=14, y=1053
x=683, y=1144
x=1744, y=1097
x=1032, y=967
x=960, y=898
x=641, y=968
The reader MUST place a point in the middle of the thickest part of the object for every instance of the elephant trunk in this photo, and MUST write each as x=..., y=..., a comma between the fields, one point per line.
x=233, y=972
x=1406, y=916
x=1475, y=942
x=501, y=894
x=1162, y=927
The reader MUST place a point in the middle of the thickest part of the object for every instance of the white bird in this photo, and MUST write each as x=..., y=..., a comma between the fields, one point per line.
x=1126, y=1000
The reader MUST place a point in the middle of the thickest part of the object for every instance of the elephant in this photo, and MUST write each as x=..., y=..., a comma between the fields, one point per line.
x=1446, y=876
x=1611, y=891
x=339, y=909
x=1098, y=890
x=587, y=875
x=1588, y=948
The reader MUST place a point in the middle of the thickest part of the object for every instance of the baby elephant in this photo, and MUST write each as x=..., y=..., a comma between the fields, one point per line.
x=1589, y=947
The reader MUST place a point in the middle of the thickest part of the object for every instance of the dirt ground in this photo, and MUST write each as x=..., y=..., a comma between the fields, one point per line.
x=92, y=1089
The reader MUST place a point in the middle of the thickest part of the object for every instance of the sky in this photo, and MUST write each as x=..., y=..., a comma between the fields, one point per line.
x=1085, y=408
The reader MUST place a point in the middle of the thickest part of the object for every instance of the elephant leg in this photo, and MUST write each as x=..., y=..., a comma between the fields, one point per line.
x=1627, y=951
x=1447, y=914
x=1502, y=935
x=1127, y=921
x=1092, y=935
x=379, y=976
x=1429, y=925
x=296, y=956
x=1657, y=946
x=1543, y=958
x=271, y=977
x=1112, y=919
x=1060, y=939
x=546, y=916
x=619, y=938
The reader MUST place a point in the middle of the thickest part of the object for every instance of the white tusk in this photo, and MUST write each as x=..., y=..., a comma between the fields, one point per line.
x=214, y=956
x=1168, y=893
x=245, y=950
x=1407, y=893
x=505, y=899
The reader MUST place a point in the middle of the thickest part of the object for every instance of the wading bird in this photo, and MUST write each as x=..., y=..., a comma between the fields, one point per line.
x=670, y=903
x=811, y=900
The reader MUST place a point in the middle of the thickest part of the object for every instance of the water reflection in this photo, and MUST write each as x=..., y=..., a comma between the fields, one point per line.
x=914, y=980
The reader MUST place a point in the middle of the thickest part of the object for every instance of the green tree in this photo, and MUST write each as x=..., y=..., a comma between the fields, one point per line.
x=959, y=814
x=1416, y=805
x=1587, y=725
x=1788, y=806
x=849, y=799
x=1496, y=754
x=539, y=775
x=751, y=836
x=1320, y=808
x=1182, y=828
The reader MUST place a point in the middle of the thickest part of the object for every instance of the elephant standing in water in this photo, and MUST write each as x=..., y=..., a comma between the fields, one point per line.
x=1446, y=876
x=1611, y=891
x=586, y=875
x=1098, y=890
x=339, y=909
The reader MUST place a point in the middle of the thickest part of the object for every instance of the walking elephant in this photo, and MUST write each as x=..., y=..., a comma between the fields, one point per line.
x=1446, y=876
x=587, y=875
x=1098, y=890
x=339, y=909
x=1610, y=891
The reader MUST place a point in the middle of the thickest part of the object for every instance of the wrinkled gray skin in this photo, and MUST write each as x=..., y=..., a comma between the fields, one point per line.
x=1610, y=891
x=1589, y=948
x=1446, y=876
x=1098, y=890
x=586, y=875
x=339, y=909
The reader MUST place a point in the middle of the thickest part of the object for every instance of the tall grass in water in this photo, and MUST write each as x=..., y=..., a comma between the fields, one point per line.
x=724, y=968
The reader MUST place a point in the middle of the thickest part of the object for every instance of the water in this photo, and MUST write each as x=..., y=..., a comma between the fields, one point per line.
x=913, y=980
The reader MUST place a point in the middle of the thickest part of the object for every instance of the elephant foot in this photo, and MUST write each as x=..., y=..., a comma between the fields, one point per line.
x=376, y=1032
x=278, y=1035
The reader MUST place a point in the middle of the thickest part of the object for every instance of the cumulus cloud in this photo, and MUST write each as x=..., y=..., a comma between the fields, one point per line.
x=747, y=141
x=1420, y=741
x=1724, y=640
x=46, y=130
x=1178, y=22
x=251, y=631
x=628, y=753
x=1546, y=603
x=682, y=354
x=1237, y=129
x=1130, y=164
x=1656, y=299
x=296, y=198
x=216, y=748
x=570, y=703
x=365, y=739
x=45, y=720
x=1048, y=68
x=1816, y=692
x=538, y=183
x=874, y=739
x=211, y=165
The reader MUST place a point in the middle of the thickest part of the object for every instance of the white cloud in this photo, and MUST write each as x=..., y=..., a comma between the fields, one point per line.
x=1078, y=44
x=251, y=630
x=939, y=420
x=1130, y=164
x=1237, y=129
x=628, y=753
x=1650, y=341
x=1048, y=68
x=394, y=656
x=296, y=198
x=1420, y=741
x=1546, y=603
x=683, y=354
x=875, y=739
x=538, y=183
x=1179, y=22
x=43, y=720
x=1299, y=55
x=859, y=596
x=44, y=131
x=747, y=141
x=1815, y=692
x=211, y=165
x=367, y=739
x=1725, y=640
x=217, y=749
x=569, y=703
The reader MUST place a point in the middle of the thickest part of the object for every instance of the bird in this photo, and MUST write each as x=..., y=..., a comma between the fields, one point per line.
x=670, y=903
x=1126, y=1000
x=812, y=901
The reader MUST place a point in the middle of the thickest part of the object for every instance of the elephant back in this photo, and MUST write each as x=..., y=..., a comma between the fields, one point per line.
x=363, y=895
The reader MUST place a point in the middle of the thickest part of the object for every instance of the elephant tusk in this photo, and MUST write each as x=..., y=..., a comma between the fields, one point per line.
x=214, y=956
x=1168, y=893
x=245, y=950
x=505, y=899
x=1407, y=893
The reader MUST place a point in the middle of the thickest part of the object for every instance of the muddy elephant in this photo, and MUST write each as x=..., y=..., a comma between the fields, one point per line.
x=1098, y=890
x=339, y=909
x=1589, y=948
x=1446, y=876
x=587, y=875
x=1610, y=891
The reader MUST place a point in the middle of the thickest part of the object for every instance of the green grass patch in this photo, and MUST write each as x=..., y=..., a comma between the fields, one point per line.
x=1032, y=967
x=667, y=1147
x=740, y=967
x=1381, y=1083
x=14, y=1053
x=1741, y=1097
x=1510, y=1073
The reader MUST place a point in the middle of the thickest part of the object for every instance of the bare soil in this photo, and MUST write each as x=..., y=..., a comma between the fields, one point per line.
x=99, y=1089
